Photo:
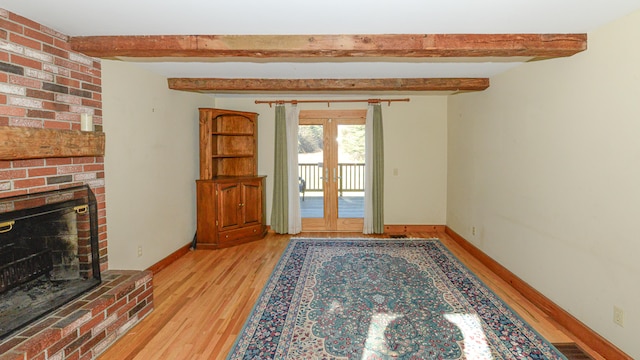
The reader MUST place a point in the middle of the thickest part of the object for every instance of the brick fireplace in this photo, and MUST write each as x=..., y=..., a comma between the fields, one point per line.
x=45, y=87
x=48, y=253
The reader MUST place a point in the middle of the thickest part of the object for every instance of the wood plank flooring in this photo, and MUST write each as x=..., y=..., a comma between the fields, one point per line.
x=203, y=299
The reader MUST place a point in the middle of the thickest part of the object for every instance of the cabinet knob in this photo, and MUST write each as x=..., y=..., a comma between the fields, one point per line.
x=241, y=205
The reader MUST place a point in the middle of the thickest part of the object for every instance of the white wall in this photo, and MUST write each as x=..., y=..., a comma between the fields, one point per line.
x=151, y=164
x=415, y=143
x=545, y=164
x=151, y=160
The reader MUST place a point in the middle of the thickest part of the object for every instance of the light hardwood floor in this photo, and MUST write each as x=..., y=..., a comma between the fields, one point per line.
x=203, y=299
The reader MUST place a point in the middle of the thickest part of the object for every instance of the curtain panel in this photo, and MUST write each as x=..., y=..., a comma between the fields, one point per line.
x=374, y=172
x=295, y=221
x=280, y=203
x=285, y=210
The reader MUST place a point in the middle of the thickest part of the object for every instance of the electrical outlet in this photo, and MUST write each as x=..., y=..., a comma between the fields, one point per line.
x=473, y=230
x=139, y=250
x=618, y=316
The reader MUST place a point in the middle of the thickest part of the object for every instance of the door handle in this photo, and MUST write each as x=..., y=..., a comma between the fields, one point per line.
x=335, y=178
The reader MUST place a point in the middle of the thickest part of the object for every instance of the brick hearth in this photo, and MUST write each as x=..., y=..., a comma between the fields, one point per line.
x=85, y=327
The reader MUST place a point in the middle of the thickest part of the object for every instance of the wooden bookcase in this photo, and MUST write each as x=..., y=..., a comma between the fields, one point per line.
x=230, y=194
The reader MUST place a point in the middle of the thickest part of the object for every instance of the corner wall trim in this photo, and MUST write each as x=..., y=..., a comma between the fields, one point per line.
x=155, y=268
x=558, y=314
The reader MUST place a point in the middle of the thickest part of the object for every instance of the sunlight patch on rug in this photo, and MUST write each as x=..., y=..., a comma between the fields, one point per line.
x=475, y=343
x=381, y=299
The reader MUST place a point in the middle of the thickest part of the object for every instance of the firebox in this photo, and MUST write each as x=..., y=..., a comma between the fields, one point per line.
x=48, y=253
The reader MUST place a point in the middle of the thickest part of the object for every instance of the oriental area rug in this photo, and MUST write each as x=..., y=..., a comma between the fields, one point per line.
x=381, y=299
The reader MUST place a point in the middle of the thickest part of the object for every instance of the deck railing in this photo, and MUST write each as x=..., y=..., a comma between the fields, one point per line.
x=350, y=176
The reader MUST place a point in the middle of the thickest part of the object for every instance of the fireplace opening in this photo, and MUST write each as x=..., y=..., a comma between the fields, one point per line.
x=48, y=253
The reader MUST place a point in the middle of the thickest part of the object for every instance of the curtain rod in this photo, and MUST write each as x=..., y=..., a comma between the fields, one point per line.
x=370, y=101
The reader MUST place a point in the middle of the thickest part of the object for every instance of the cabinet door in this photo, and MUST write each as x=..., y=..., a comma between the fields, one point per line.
x=229, y=200
x=252, y=202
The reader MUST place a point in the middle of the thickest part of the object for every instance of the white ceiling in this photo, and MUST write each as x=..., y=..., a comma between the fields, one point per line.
x=283, y=17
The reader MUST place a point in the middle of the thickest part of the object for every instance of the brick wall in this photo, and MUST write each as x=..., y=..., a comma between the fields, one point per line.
x=44, y=84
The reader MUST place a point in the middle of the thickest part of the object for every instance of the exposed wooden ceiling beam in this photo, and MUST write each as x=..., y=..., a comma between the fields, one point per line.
x=318, y=46
x=301, y=85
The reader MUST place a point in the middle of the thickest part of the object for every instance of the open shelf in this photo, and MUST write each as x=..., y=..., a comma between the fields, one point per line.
x=228, y=143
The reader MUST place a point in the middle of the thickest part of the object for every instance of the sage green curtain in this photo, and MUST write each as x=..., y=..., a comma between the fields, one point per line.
x=294, y=218
x=374, y=172
x=377, y=191
x=280, y=204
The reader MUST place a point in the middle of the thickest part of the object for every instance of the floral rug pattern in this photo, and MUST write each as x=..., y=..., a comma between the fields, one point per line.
x=381, y=299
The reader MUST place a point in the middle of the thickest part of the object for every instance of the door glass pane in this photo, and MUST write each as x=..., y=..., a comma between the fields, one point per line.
x=310, y=170
x=350, y=171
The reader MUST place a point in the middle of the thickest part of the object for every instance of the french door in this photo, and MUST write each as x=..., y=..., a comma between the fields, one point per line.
x=331, y=169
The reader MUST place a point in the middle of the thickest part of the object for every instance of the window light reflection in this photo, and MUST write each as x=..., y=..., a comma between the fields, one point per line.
x=475, y=342
x=375, y=337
